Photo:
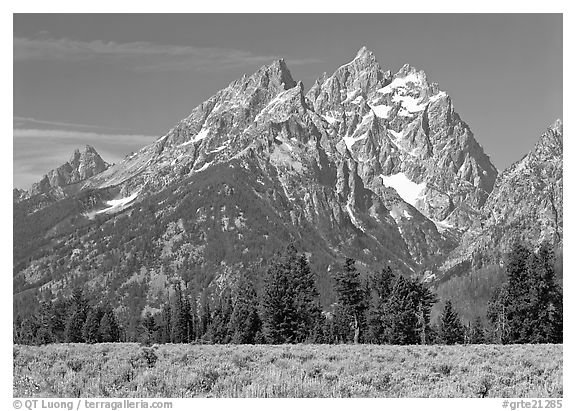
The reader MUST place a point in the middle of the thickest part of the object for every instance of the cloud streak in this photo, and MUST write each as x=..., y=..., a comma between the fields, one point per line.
x=141, y=56
x=79, y=135
x=20, y=122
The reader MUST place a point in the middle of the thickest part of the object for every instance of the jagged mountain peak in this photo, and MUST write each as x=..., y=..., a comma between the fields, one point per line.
x=277, y=73
x=417, y=76
x=365, y=55
x=550, y=145
x=83, y=164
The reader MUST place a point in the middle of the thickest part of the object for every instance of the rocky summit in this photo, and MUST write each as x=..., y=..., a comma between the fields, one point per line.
x=83, y=164
x=366, y=164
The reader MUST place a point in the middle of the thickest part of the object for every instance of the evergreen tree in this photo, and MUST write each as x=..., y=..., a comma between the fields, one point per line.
x=244, y=320
x=380, y=288
x=518, y=302
x=166, y=326
x=58, y=318
x=498, y=313
x=180, y=317
x=148, y=329
x=451, y=329
x=401, y=320
x=477, y=334
x=44, y=334
x=205, y=314
x=218, y=330
x=279, y=302
x=351, y=295
x=77, y=317
x=91, y=328
x=193, y=326
x=188, y=319
x=309, y=310
x=545, y=299
x=109, y=329
x=28, y=330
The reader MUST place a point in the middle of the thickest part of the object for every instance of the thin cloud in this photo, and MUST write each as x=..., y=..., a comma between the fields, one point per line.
x=80, y=135
x=30, y=120
x=140, y=56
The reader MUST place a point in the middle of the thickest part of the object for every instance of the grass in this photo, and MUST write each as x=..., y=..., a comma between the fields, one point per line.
x=128, y=370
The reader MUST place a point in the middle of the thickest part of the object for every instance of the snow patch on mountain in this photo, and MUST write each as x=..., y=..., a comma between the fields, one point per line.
x=205, y=166
x=381, y=110
x=219, y=149
x=281, y=155
x=397, y=134
x=406, y=188
x=202, y=134
x=118, y=204
x=353, y=218
x=329, y=118
x=401, y=82
x=411, y=104
x=351, y=140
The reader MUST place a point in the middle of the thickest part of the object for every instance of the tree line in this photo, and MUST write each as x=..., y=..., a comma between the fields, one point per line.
x=72, y=320
x=379, y=308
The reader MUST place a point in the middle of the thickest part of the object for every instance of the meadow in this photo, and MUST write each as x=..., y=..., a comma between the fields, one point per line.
x=179, y=370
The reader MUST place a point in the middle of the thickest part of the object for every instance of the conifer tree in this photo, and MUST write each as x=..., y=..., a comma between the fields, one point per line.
x=91, y=328
x=77, y=317
x=309, y=310
x=400, y=318
x=166, y=326
x=280, y=307
x=179, y=320
x=58, y=319
x=351, y=295
x=545, y=299
x=477, y=334
x=44, y=334
x=205, y=314
x=109, y=329
x=148, y=329
x=451, y=329
x=380, y=288
x=244, y=320
x=218, y=330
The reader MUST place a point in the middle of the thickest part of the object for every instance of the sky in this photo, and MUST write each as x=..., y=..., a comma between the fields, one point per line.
x=118, y=82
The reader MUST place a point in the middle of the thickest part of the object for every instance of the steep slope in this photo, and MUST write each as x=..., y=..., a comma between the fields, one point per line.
x=403, y=131
x=526, y=205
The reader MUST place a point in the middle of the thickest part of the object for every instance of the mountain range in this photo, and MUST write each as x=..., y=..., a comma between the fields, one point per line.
x=365, y=164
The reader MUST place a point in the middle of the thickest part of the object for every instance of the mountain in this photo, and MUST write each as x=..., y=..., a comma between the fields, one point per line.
x=525, y=204
x=404, y=133
x=366, y=164
x=81, y=166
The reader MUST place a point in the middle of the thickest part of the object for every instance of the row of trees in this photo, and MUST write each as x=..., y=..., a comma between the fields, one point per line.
x=72, y=320
x=380, y=308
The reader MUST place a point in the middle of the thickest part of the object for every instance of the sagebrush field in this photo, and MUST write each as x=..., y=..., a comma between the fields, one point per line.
x=129, y=370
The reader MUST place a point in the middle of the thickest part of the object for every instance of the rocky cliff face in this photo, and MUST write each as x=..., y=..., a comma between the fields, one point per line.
x=525, y=204
x=403, y=132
